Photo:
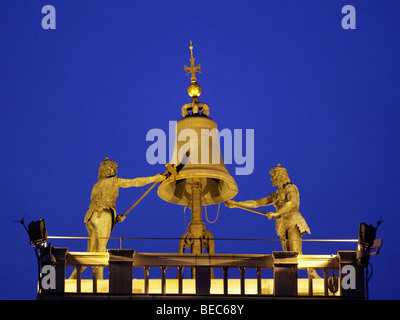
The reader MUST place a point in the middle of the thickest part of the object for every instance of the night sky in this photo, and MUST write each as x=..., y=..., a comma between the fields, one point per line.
x=323, y=102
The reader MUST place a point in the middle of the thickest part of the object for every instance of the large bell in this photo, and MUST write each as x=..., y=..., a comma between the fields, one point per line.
x=203, y=179
x=197, y=144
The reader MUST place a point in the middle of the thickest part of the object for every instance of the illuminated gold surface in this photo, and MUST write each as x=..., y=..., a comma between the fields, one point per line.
x=218, y=184
x=189, y=286
x=217, y=261
x=194, y=90
x=289, y=223
x=204, y=179
x=197, y=134
x=102, y=214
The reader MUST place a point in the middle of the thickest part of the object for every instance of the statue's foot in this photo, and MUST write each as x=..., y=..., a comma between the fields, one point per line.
x=313, y=273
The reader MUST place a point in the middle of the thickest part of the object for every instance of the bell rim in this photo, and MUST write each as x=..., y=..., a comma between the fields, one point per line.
x=228, y=179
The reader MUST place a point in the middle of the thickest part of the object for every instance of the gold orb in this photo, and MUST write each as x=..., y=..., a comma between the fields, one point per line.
x=194, y=90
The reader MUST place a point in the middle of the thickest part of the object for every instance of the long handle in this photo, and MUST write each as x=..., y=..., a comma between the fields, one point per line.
x=143, y=195
x=249, y=209
x=140, y=199
x=170, y=169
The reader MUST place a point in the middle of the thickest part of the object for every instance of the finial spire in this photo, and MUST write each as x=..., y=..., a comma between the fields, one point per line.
x=194, y=90
x=192, y=69
x=191, y=49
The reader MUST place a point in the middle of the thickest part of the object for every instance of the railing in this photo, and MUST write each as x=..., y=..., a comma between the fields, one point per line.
x=129, y=274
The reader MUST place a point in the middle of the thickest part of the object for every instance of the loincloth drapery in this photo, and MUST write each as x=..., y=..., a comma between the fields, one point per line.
x=290, y=220
x=91, y=210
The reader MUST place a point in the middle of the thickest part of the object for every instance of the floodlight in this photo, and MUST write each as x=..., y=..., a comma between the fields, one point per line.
x=366, y=234
x=37, y=232
x=367, y=242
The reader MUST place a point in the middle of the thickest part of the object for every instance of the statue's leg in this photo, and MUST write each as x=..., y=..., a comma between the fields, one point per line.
x=285, y=242
x=103, y=232
x=294, y=240
x=74, y=274
x=296, y=245
x=99, y=229
x=90, y=246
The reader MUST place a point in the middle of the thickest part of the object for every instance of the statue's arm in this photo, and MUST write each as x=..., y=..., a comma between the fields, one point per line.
x=252, y=203
x=139, y=182
x=292, y=203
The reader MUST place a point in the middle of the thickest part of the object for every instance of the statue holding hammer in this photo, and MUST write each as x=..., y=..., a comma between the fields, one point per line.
x=289, y=223
x=101, y=217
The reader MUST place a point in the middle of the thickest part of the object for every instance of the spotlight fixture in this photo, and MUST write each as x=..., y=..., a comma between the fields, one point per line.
x=367, y=242
x=46, y=256
x=37, y=232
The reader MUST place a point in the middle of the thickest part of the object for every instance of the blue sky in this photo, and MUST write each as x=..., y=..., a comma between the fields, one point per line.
x=323, y=102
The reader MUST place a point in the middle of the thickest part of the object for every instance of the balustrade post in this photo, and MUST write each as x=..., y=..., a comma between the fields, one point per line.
x=259, y=283
x=180, y=279
x=60, y=254
x=351, y=275
x=146, y=279
x=310, y=282
x=94, y=277
x=225, y=274
x=285, y=273
x=163, y=280
x=242, y=280
x=203, y=280
x=78, y=279
x=120, y=269
x=326, y=275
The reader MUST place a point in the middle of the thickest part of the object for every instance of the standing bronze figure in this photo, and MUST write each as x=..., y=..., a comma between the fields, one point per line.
x=289, y=223
x=102, y=215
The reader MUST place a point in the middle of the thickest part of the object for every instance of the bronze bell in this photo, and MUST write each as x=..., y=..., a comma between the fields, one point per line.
x=202, y=178
x=204, y=163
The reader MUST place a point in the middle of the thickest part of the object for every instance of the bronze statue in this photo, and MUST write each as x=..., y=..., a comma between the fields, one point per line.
x=289, y=223
x=101, y=216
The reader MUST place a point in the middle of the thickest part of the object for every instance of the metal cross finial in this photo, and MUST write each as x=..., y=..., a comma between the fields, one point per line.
x=192, y=69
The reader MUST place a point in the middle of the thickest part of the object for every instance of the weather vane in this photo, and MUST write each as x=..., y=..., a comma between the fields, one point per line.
x=192, y=69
